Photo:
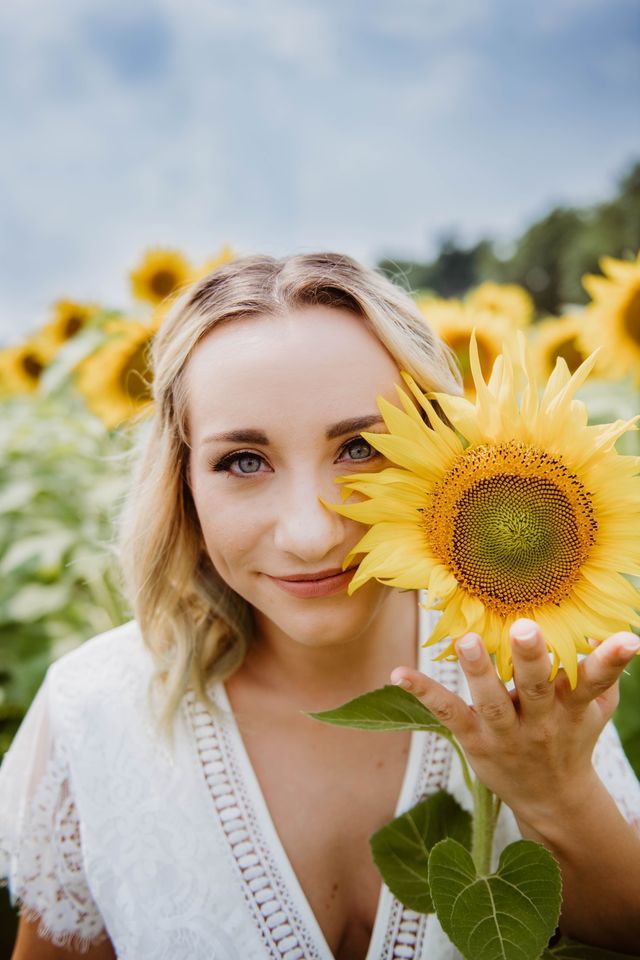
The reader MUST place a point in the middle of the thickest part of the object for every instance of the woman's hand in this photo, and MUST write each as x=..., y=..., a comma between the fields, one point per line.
x=531, y=746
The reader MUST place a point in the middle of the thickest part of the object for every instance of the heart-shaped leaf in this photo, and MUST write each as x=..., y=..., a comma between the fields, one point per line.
x=572, y=950
x=389, y=708
x=509, y=915
x=401, y=848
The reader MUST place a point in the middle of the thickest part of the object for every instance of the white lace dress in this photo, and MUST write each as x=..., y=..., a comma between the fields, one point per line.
x=175, y=857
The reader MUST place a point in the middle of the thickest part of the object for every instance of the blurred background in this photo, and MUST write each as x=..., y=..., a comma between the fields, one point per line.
x=484, y=155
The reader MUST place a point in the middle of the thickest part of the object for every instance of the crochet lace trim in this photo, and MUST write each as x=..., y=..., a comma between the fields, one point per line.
x=48, y=883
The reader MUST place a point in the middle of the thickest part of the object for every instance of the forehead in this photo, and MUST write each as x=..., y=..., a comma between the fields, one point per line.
x=318, y=361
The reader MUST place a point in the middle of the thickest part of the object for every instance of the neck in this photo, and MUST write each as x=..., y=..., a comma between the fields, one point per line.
x=306, y=675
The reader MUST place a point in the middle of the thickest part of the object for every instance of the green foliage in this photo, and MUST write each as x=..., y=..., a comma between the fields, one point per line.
x=537, y=263
x=61, y=481
x=509, y=915
x=451, y=274
x=401, y=848
x=548, y=259
x=389, y=708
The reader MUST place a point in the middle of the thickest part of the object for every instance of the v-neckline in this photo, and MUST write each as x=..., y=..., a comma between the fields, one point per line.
x=274, y=841
x=257, y=846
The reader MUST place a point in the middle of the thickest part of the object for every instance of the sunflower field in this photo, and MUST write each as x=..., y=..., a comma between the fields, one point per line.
x=74, y=395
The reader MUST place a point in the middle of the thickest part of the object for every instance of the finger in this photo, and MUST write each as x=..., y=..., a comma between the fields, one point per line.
x=531, y=670
x=446, y=706
x=600, y=670
x=490, y=698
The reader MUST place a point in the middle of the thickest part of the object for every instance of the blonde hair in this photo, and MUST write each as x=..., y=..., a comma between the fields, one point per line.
x=195, y=626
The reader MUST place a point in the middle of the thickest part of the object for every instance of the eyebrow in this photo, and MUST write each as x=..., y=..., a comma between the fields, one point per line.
x=340, y=429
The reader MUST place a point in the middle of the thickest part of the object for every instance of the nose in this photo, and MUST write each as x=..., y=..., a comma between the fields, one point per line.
x=307, y=530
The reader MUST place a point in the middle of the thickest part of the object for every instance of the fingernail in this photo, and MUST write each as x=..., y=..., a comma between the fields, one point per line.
x=631, y=646
x=469, y=648
x=525, y=631
x=404, y=683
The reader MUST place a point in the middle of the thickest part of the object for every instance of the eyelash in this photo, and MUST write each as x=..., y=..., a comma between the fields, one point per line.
x=224, y=464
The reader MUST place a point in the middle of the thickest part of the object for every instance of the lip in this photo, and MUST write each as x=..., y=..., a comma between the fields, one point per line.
x=312, y=585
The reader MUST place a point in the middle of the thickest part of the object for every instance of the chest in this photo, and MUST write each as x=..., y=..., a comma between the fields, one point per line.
x=328, y=789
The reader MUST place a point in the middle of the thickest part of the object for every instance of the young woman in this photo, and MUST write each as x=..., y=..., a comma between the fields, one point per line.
x=167, y=796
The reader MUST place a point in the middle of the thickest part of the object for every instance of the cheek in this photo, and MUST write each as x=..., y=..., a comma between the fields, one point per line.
x=229, y=527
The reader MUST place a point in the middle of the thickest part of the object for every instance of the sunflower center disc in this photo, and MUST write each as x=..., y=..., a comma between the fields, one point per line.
x=513, y=525
x=632, y=316
x=32, y=366
x=72, y=325
x=163, y=282
x=568, y=350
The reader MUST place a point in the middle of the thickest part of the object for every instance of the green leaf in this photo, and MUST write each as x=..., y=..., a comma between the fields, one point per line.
x=401, y=848
x=572, y=950
x=509, y=915
x=389, y=708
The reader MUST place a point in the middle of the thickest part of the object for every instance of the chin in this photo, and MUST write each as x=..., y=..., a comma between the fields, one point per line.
x=328, y=622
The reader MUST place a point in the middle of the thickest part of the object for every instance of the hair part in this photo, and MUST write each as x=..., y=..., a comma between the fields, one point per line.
x=196, y=628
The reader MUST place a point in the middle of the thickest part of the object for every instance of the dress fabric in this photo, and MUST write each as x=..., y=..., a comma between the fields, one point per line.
x=173, y=854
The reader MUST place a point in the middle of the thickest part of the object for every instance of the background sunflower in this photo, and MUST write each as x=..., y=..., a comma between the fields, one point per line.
x=69, y=319
x=455, y=321
x=559, y=337
x=115, y=380
x=22, y=366
x=508, y=301
x=160, y=274
x=614, y=317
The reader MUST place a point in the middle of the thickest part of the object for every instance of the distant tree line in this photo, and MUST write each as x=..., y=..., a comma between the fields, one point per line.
x=548, y=259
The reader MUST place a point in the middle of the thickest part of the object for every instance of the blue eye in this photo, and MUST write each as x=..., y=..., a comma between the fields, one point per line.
x=358, y=449
x=247, y=463
x=240, y=464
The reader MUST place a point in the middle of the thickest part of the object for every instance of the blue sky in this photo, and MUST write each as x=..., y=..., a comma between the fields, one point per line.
x=364, y=126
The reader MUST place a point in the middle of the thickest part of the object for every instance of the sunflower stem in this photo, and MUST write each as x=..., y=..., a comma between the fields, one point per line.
x=466, y=773
x=484, y=819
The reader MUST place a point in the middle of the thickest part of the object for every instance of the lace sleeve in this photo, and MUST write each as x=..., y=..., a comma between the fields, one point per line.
x=40, y=846
x=616, y=773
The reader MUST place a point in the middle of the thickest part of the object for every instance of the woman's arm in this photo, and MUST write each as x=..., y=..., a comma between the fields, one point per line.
x=30, y=946
x=599, y=856
x=533, y=748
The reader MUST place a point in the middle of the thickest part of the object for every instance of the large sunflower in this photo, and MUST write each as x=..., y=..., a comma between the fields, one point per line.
x=508, y=301
x=521, y=510
x=559, y=337
x=454, y=322
x=160, y=274
x=116, y=380
x=614, y=316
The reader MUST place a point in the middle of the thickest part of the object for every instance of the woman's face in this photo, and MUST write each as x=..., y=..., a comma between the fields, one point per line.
x=276, y=406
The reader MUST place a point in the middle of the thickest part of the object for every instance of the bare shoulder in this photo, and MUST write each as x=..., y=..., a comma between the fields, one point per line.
x=30, y=946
